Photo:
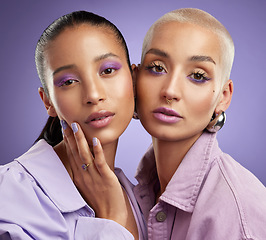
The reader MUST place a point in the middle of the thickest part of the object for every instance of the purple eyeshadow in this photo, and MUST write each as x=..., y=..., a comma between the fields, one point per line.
x=205, y=79
x=155, y=73
x=110, y=64
x=60, y=81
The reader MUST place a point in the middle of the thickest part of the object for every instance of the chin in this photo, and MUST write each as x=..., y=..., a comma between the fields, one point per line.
x=108, y=136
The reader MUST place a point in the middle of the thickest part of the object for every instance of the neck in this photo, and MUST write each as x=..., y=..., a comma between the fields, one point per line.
x=109, y=151
x=168, y=156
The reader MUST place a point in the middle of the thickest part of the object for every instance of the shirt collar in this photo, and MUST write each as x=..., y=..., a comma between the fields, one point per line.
x=44, y=165
x=183, y=189
x=146, y=170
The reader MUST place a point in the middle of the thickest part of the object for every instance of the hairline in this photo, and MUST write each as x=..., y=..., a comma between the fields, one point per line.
x=204, y=20
x=75, y=25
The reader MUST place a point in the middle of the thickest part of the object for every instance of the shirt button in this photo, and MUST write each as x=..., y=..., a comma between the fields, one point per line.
x=161, y=216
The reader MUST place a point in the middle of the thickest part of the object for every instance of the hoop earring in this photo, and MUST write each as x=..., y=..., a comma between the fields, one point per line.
x=216, y=122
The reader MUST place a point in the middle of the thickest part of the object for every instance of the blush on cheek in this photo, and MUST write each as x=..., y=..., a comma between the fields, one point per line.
x=204, y=104
x=65, y=106
x=125, y=88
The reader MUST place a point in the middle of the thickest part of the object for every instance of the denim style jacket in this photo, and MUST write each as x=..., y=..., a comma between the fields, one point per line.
x=210, y=197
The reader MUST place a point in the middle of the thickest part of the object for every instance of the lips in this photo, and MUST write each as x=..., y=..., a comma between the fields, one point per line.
x=166, y=115
x=100, y=119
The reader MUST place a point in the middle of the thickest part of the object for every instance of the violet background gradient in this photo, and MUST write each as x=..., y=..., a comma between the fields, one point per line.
x=23, y=114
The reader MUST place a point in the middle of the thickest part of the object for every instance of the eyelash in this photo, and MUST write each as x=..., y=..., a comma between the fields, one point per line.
x=108, y=73
x=155, y=66
x=66, y=82
x=201, y=77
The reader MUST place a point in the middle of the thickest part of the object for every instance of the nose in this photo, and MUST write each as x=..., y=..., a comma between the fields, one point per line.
x=171, y=89
x=94, y=91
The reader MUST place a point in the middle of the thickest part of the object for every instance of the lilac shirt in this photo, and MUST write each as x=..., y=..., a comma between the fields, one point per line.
x=38, y=200
x=210, y=197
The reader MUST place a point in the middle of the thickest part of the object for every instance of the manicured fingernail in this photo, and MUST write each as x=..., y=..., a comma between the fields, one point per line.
x=63, y=124
x=74, y=127
x=94, y=141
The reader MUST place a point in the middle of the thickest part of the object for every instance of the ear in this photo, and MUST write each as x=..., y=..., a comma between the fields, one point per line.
x=134, y=77
x=226, y=96
x=47, y=103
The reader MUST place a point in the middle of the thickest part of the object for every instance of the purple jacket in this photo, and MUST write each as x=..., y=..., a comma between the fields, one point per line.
x=38, y=200
x=210, y=197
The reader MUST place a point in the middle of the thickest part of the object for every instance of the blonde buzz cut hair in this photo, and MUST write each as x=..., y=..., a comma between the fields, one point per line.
x=202, y=19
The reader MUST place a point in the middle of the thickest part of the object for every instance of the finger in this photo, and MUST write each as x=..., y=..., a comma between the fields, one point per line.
x=82, y=145
x=70, y=145
x=71, y=159
x=80, y=177
x=99, y=159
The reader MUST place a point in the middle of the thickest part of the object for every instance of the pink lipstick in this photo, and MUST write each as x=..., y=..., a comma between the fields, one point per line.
x=100, y=119
x=166, y=115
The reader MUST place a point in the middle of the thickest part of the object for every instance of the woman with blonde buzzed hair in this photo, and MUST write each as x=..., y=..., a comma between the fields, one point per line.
x=188, y=188
x=203, y=19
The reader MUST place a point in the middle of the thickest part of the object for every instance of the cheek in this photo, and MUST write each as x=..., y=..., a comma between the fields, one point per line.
x=121, y=89
x=65, y=105
x=145, y=93
x=122, y=94
x=124, y=89
x=140, y=97
x=203, y=103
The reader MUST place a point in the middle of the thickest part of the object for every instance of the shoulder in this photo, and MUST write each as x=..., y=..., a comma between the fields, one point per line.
x=13, y=176
x=244, y=184
x=20, y=191
x=237, y=193
x=26, y=209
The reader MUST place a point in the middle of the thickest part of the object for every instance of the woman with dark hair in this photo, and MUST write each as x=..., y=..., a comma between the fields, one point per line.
x=83, y=64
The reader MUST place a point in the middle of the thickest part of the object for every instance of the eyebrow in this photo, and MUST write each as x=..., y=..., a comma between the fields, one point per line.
x=158, y=52
x=200, y=58
x=197, y=58
x=104, y=56
x=71, y=66
x=97, y=59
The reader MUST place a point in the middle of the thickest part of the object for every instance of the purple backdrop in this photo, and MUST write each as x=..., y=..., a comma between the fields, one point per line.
x=23, y=114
